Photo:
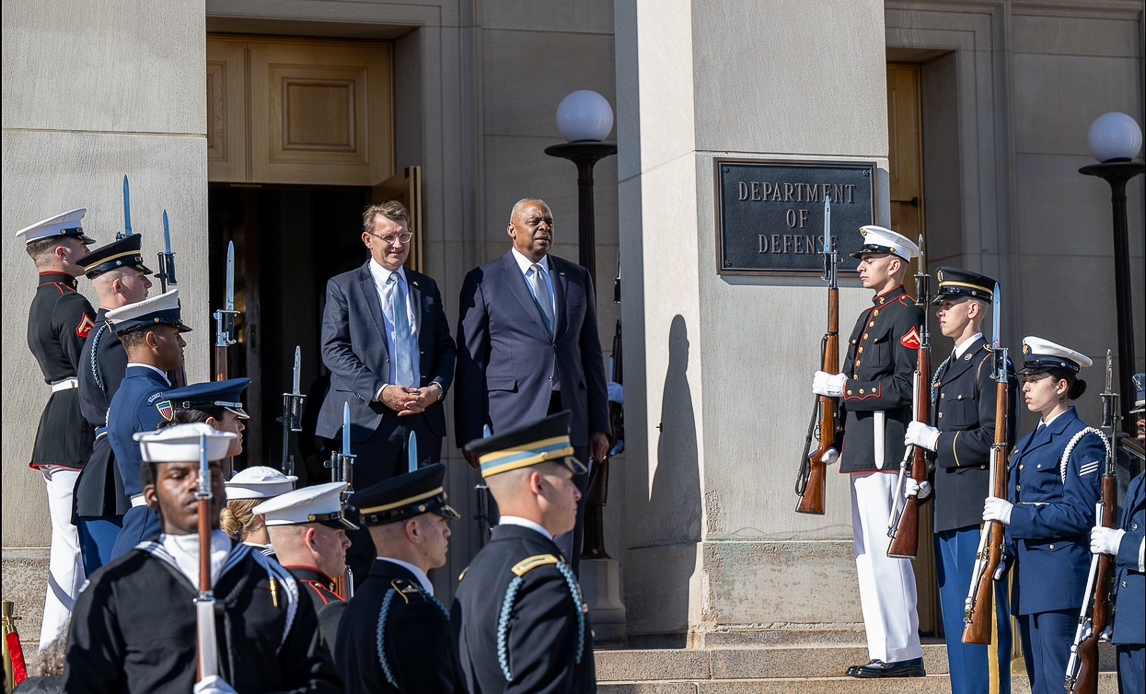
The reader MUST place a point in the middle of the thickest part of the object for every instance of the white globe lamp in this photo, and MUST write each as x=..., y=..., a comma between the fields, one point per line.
x=584, y=116
x=1114, y=136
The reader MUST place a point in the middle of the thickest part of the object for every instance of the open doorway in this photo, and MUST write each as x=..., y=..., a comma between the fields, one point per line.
x=289, y=240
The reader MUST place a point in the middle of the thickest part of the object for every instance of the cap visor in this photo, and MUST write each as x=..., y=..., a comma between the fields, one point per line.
x=238, y=412
x=143, y=268
x=447, y=511
x=1032, y=370
x=338, y=524
x=183, y=327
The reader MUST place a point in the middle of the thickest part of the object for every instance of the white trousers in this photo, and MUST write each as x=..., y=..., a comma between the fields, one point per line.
x=887, y=586
x=65, y=568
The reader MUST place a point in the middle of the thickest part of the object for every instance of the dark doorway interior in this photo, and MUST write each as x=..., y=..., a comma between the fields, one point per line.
x=289, y=240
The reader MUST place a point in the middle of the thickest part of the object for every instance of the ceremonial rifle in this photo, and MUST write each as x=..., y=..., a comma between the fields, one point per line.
x=484, y=516
x=1094, y=617
x=208, y=654
x=980, y=603
x=225, y=319
x=342, y=470
x=166, y=276
x=811, y=480
x=904, y=527
x=292, y=415
x=126, y=211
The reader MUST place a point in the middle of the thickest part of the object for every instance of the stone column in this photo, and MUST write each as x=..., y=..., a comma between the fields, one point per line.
x=93, y=91
x=719, y=368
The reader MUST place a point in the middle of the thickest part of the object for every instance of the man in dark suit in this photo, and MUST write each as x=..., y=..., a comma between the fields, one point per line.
x=529, y=347
x=392, y=366
x=963, y=399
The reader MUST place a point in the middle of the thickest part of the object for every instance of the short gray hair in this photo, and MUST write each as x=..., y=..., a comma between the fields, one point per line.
x=522, y=202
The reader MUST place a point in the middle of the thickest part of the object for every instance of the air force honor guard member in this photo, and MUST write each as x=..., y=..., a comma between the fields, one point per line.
x=220, y=402
x=119, y=277
x=59, y=321
x=134, y=628
x=963, y=398
x=1054, y=485
x=396, y=637
x=1127, y=544
x=519, y=622
x=151, y=334
x=308, y=532
x=875, y=385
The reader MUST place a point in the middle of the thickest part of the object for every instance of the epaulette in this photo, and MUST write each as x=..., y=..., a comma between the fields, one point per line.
x=463, y=574
x=406, y=590
x=526, y=565
x=520, y=569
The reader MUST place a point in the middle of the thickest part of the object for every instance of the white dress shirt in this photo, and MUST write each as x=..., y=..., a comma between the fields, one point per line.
x=960, y=350
x=525, y=523
x=418, y=573
x=526, y=266
x=386, y=298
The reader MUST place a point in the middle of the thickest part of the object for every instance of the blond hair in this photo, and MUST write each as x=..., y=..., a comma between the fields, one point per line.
x=236, y=518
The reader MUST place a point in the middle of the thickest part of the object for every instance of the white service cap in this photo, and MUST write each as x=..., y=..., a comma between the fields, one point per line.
x=66, y=224
x=259, y=482
x=317, y=504
x=877, y=239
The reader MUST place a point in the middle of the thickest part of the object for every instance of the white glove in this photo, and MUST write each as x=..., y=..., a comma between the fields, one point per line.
x=213, y=685
x=831, y=456
x=913, y=488
x=1105, y=540
x=831, y=385
x=616, y=393
x=997, y=509
x=919, y=434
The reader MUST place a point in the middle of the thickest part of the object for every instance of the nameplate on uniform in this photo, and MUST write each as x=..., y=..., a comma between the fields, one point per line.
x=770, y=214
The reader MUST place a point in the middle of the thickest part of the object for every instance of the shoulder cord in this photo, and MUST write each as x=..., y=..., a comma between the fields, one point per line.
x=507, y=611
x=95, y=353
x=380, y=638
x=1065, y=460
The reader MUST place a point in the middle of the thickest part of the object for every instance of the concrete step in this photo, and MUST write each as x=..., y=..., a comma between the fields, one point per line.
x=932, y=684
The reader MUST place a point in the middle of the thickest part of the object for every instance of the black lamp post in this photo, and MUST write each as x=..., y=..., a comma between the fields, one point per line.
x=585, y=154
x=1114, y=140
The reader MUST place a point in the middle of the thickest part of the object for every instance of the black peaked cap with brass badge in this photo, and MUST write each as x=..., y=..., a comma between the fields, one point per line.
x=955, y=282
x=546, y=440
x=118, y=254
x=403, y=497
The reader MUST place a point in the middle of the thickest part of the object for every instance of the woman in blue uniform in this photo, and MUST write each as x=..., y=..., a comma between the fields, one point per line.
x=1054, y=485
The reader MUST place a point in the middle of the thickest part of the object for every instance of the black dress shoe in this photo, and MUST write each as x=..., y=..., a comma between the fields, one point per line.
x=878, y=668
x=856, y=668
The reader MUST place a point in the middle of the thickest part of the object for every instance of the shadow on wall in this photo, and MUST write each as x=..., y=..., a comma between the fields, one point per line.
x=674, y=503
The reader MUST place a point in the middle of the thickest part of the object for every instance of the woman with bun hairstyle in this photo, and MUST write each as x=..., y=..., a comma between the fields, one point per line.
x=246, y=490
x=1054, y=486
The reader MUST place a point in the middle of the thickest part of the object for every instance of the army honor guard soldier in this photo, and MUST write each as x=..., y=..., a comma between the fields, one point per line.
x=151, y=333
x=875, y=386
x=135, y=625
x=519, y=622
x=59, y=321
x=119, y=277
x=396, y=636
x=963, y=399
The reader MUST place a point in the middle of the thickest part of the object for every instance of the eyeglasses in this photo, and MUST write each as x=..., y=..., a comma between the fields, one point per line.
x=392, y=239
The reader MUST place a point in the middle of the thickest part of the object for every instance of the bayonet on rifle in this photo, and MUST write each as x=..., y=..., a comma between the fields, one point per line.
x=292, y=414
x=225, y=319
x=126, y=210
x=166, y=272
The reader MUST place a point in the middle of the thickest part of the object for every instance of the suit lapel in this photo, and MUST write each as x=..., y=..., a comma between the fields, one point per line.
x=513, y=278
x=373, y=302
x=560, y=292
x=413, y=280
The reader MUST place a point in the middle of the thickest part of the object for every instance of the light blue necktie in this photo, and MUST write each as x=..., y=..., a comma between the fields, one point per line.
x=403, y=360
x=541, y=296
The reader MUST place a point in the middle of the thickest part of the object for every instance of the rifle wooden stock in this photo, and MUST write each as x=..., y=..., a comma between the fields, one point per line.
x=178, y=377
x=978, y=622
x=1086, y=681
x=905, y=543
x=221, y=367
x=813, y=498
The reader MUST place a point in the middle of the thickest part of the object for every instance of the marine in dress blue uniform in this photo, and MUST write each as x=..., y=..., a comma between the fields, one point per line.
x=963, y=400
x=59, y=321
x=1054, y=486
x=140, y=404
x=100, y=502
x=519, y=622
x=875, y=386
x=1127, y=543
x=396, y=635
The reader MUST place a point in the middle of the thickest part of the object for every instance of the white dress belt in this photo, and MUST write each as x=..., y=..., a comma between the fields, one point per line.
x=66, y=384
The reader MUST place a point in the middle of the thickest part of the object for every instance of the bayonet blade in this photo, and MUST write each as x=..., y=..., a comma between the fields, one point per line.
x=166, y=233
x=996, y=318
x=230, y=276
x=413, y=448
x=297, y=368
x=827, y=225
x=922, y=255
x=345, y=428
x=126, y=209
x=1109, y=372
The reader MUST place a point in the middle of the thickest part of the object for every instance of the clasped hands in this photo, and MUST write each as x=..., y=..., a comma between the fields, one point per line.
x=408, y=401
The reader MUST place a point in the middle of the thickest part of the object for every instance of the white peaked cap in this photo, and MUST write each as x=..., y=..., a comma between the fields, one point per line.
x=180, y=443
x=66, y=224
x=884, y=240
x=1045, y=352
x=259, y=483
x=317, y=504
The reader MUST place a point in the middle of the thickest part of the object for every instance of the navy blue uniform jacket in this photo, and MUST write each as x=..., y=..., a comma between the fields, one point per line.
x=1052, y=518
x=1130, y=586
x=356, y=349
x=505, y=354
x=138, y=405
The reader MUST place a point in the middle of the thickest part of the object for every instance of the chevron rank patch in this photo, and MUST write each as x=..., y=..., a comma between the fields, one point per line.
x=85, y=326
x=165, y=410
x=911, y=339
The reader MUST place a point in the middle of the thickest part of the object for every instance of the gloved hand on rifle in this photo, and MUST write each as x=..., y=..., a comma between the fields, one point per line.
x=829, y=385
x=913, y=488
x=919, y=434
x=996, y=509
x=213, y=685
x=1105, y=540
x=1005, y=563
x=830, y=456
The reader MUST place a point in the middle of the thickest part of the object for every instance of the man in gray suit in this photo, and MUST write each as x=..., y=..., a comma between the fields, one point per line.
x=529, y=347
x=387, y=344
